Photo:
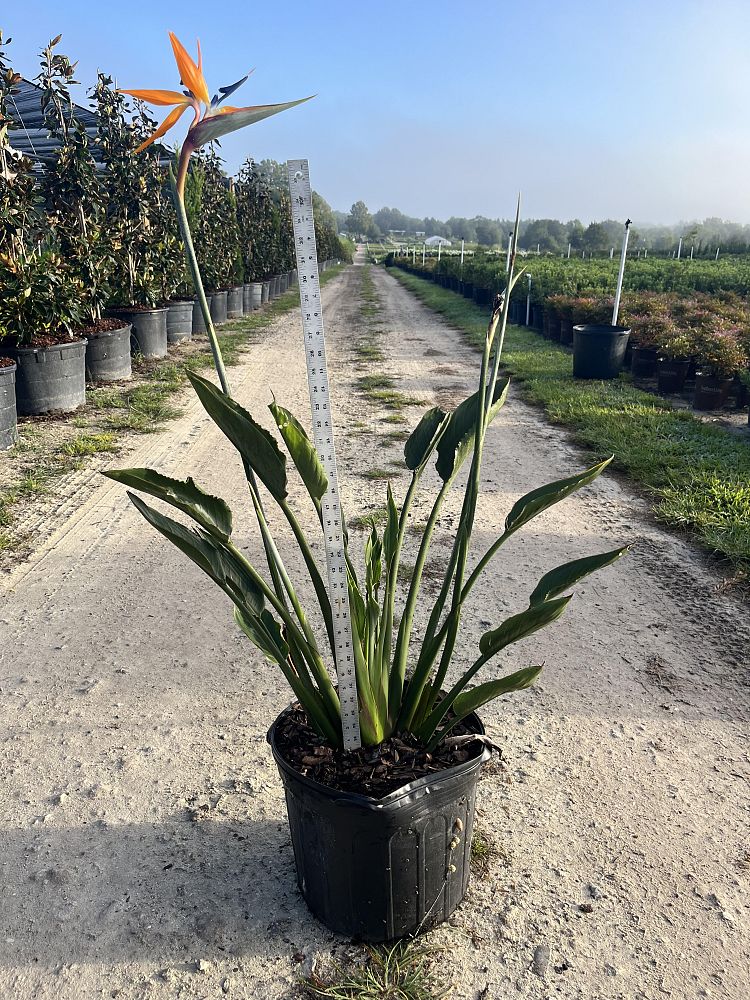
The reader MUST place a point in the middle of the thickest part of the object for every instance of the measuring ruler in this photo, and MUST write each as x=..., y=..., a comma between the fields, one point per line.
x=322, y=425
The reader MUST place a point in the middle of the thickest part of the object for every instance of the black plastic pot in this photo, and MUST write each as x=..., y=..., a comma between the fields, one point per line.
x=671, y=375
x=283, y=283
x=149, y=334
x=711, y=391
x=199, y=325
x=469, y=289
x=234, y=303
x=8, y=429
x=256, y=295
x=179, y=321
x=108, y=355
x=566, y=331
x=218, y=307
x=598, y=350
x=643, y=362
x=266, y=293
x=49, y=379
x=554, y=328
x=537, y=317
x=378, y=869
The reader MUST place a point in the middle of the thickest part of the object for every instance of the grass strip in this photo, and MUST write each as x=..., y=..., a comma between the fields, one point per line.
x=697, y=474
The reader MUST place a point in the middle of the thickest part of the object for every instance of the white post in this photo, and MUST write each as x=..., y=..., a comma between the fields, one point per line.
x=414, y=255
x=528, y=301
x=645, y=252
x=424, y=250
x=537, y=249
x=611, y=252
x=679, y=249
x=440, y=247
x=510, y=247
x=568, y=251
x=717, y=253
x=621, y=275
x=691, y=253
x=462, y=253
x=583, y=255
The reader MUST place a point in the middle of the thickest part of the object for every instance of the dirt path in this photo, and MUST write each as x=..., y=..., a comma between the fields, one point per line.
x=143, y=843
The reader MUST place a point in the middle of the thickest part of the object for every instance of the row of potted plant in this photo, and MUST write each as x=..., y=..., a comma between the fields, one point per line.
x=672, y=337
x=91, y=259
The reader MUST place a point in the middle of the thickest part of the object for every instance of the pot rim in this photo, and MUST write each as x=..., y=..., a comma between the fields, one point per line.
x=590, y=329
x=108, y=333
x=64, y=345
x=405, y=795
x=131, y=310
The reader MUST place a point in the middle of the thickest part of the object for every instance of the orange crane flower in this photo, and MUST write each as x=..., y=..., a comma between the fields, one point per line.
x=210, y=121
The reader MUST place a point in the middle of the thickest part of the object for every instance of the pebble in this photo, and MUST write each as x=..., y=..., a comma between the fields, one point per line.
x=541, y=960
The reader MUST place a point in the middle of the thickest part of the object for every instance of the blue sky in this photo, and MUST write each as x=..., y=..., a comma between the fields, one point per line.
x=591, y=109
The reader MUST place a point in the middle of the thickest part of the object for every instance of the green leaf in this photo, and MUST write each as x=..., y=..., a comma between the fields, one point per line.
x=457, y=440
x=390, y=534
x=469, y=701
x=210, y=555
x=265, y=632
x=256, y=445
x=563, y=577
x=519, y=626
x=303, y=452
x=209, y=511
x=424, y=438
x=545, y=496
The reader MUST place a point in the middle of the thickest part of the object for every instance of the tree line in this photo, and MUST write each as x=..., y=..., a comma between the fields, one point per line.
x=550, y=235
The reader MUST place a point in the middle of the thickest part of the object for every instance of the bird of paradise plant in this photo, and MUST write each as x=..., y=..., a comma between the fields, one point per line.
x=211, y=121
x=400, y=683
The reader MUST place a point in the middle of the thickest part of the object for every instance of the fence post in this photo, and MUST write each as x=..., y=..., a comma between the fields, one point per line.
x=621, y=275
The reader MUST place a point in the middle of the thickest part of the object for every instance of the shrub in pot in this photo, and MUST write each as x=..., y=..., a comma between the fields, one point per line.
x=140, y=221
x=75, y=204
x=718, y=346
x=39, y=305
x=675, y=352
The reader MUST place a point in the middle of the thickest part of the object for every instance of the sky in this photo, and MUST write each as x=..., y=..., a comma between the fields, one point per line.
x=590, y=109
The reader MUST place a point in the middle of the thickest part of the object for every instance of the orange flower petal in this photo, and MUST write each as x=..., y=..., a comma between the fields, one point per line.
x=165, y=126
x=165, y=97
x=191, y=75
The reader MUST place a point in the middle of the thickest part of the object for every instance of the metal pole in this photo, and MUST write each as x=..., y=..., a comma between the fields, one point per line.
x=528, y=301
x=537, y=249
x=621, y=275
x=611, y=252
x=462, y=253
x=717, y=253
x=645, y=252
x=440, y=247
x=691, y=253
x=679, y=249
x=424, y=250
x=568, y=251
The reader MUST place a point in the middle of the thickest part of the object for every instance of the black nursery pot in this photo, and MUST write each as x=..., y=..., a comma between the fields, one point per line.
x=671, y=375
x=378, y=869
x=643, y=362
x=49, y=379
x=108, y=355
x=598, y=350
x=149, y=330
x=8, y=430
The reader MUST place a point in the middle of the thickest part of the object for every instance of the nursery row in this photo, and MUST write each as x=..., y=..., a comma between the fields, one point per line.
x=562, y=276
x=38, y=380
x=698, y=341
x=89, y=236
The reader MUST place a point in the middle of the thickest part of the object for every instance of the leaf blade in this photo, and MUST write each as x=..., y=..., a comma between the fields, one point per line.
x=211, y=512
x=565, y=576
x=540, y=499
x=256, y=445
